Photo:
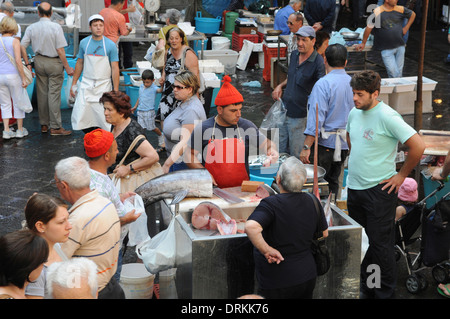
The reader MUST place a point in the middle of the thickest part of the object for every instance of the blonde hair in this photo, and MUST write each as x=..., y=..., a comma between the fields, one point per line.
x=8, y=25
x=189, y=79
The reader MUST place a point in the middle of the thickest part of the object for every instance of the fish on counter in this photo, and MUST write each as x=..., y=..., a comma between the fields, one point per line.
x=197, y=182
x=208, y=215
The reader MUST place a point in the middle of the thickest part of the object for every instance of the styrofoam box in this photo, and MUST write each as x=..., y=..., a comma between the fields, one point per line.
x=386, y=87
x=258, y=47
x=227, y=57
x=211, y=66
x=427, y=84
x=211, y=80
x=401, y=84
x=143, y=65
x=137, y=81
x=274, y=45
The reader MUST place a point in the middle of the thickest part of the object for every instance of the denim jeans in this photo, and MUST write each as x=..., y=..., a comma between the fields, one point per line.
x=291, y=136
x=393, y=60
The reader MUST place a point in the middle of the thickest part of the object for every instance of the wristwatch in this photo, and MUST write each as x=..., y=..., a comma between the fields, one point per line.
x=132, y=169
x=306, y=147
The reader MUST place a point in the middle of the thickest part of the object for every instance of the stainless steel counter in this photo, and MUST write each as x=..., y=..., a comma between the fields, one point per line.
x=216, y=267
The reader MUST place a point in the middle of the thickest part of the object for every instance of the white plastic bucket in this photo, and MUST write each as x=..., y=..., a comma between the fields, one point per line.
x=220, y=43
x=167, y=287
x=136, y=281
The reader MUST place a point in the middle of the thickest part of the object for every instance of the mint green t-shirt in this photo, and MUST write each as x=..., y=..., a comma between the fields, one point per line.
x=374, y=137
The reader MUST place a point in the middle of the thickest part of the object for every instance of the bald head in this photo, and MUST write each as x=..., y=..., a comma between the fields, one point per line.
x=45, y=9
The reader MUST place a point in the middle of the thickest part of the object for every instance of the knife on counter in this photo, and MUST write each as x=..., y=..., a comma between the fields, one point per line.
x=231, y=198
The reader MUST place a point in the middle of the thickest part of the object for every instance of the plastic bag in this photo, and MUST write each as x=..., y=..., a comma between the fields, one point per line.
x=23, y=102
x=158, y=254
x=149, y=54
x=275, y=117
x=137, y=231
x=136, y=17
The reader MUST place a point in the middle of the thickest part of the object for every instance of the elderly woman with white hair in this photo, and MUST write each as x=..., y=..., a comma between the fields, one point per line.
x=281, y=229
x=75, y=278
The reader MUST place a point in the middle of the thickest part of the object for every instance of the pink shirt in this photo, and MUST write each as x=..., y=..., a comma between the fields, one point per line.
x=115, y=24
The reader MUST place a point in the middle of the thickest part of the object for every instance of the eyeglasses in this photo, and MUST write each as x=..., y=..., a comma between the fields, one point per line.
x=179, y=87
x=290, y=23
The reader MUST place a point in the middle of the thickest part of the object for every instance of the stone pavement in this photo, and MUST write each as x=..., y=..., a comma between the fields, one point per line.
x=27, y=165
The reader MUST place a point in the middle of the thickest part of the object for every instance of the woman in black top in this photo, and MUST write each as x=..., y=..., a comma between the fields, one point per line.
x=125, y=129
x=282, y=228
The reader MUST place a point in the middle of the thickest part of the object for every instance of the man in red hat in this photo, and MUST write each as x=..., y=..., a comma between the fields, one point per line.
x=101, y=149
x=226, y=141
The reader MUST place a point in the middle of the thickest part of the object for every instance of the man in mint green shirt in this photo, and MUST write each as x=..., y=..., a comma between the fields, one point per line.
x=373, y=132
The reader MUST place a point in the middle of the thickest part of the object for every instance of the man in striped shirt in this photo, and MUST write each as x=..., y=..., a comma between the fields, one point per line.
x=95, y=223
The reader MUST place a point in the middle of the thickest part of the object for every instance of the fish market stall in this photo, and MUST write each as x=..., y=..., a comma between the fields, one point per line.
x=214, y=266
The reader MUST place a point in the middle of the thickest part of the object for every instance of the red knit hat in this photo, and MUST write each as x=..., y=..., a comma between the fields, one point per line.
x=97, y=142
x=228, y=94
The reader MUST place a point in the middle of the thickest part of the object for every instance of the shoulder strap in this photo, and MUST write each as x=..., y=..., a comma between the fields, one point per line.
x=315, y=200
x=183, y=58
x=139, y=137
x=7, y=53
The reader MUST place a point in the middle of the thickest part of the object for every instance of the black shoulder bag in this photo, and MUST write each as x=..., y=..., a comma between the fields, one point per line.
x=318, y=246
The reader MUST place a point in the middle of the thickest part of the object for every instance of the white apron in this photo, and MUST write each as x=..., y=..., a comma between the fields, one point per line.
x=87, y=111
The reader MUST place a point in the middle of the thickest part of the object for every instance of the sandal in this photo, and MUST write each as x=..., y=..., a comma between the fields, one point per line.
x=442, y=292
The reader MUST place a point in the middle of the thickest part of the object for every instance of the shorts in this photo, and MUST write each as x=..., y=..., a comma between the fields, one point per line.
x=147, y=119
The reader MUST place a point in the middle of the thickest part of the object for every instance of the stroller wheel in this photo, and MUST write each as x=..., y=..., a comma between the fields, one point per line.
x=440, y=273
x=416, y=283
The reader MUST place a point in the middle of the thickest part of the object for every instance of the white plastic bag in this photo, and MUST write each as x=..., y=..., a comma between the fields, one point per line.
x=137, y=231
x=158, y=254
x=136, y=17
x=149, y=54
x=23, y=103
x=275, y=117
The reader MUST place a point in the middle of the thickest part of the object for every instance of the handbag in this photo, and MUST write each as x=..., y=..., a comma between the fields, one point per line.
x=138, y=178
x=26, y=71
x=182, y=68
x=318, y=246
x=158, y=59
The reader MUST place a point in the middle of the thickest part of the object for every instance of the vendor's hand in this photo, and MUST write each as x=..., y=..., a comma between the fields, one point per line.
x=273, y=256
x=360, y=47
x=131, y=8
x=122, y=171
x=272, y=158
x=393, y=183
x=304, y=156
x=277, y=92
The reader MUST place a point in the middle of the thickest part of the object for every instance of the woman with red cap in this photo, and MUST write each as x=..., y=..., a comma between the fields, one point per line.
x=226, y=140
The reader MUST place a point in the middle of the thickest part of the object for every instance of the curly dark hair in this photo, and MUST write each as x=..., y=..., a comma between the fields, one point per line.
x=369, y=81
x=120, y=100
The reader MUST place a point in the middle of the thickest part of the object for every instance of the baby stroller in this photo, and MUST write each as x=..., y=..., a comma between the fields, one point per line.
x=434, y=238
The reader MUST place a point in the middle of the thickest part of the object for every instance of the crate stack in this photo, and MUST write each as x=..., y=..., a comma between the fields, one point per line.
x=269, y=53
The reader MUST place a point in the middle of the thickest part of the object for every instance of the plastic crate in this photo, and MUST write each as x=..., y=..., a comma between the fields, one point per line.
x=270, y=53
x=238, y=40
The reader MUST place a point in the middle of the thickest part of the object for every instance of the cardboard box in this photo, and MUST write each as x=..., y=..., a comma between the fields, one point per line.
x=250, y=186
x=245, y=29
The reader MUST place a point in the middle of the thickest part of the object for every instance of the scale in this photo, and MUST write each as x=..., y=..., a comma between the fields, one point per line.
x=152, y=6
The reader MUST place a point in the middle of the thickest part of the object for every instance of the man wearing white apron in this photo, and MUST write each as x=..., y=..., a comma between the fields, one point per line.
x=98, y=59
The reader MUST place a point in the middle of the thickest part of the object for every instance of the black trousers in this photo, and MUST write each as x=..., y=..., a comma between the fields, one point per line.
x=374, y=209
x=301, y=291
x=332, y=168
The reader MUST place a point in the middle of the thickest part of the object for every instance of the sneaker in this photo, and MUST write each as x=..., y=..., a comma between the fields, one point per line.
x=60, y=131
x=8, y=135
x=21, y=133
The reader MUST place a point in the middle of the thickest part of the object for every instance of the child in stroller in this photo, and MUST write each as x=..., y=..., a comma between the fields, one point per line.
x=407, y=197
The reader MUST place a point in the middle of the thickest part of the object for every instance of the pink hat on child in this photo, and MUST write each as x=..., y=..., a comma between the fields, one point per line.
x=408, y=190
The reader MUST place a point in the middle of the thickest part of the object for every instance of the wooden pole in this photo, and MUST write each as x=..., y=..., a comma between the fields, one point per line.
x=316, y=155
x=419, y=103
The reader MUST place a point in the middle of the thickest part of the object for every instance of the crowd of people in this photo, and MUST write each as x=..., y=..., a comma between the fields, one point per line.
x=320, y=98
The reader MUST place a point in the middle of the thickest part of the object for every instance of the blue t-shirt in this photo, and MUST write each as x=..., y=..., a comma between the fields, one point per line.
x=280, y=22
x=96, y=48
x=374, y=136
x=147, y=98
